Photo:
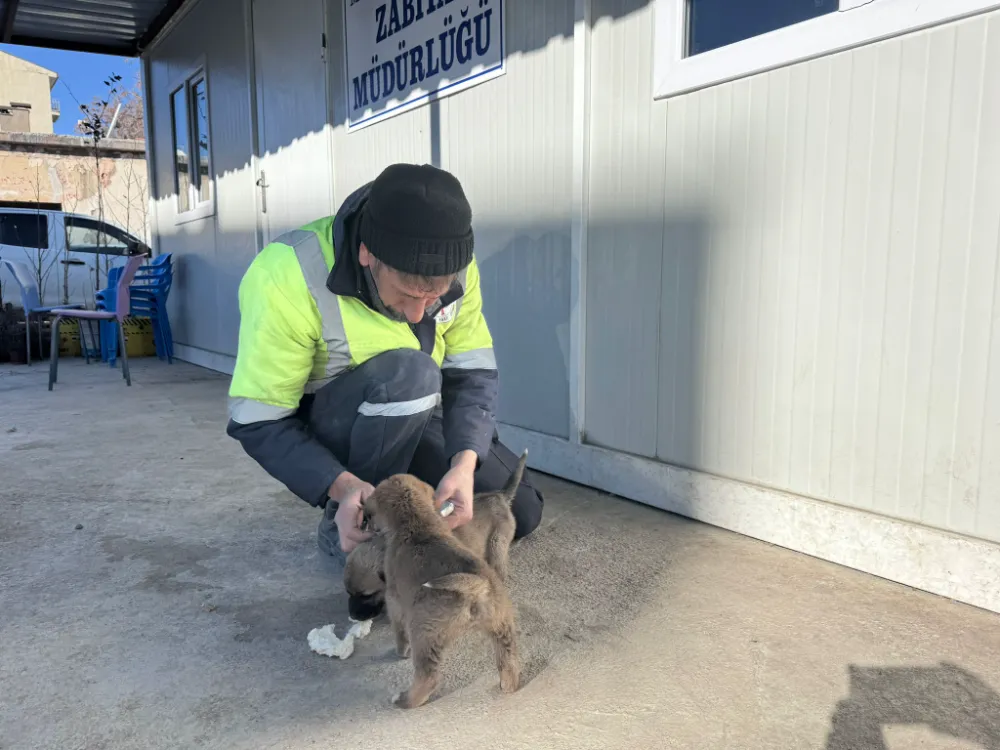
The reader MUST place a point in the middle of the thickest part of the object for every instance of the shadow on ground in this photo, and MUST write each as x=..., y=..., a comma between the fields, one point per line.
x=946, y=699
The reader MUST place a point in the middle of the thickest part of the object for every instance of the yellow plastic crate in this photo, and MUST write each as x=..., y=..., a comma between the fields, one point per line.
x=69, y=339
x=139, y=340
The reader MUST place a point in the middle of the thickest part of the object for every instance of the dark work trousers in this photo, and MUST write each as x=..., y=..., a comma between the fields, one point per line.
x=384, y=418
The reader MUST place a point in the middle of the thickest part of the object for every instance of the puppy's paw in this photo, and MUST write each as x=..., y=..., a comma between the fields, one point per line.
x=403, y=652
x=401, y=700
x=510, y=681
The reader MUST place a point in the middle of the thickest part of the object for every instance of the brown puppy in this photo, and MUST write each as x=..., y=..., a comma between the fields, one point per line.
x=436, y=588
x=364, y=579
x=489, y=534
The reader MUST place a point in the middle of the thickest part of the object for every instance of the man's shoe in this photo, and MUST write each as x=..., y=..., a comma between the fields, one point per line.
x=328, y=537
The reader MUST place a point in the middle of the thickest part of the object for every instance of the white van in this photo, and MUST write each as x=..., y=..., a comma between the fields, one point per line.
x=68, y=248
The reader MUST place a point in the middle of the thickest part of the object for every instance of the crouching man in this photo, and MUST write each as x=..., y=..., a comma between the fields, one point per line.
x=363, y=352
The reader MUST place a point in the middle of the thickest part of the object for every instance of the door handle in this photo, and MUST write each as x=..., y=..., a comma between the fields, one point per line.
x=262, y=184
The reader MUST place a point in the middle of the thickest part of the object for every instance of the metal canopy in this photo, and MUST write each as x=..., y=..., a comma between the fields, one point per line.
x=111, y=27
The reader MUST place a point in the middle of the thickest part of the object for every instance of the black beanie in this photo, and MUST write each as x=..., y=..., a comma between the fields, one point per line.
x=417, y=220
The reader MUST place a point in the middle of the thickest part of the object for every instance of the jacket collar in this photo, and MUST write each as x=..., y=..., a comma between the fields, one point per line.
x=345, y=278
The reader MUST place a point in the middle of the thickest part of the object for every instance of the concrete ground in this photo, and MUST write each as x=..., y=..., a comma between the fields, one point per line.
x=157, y=589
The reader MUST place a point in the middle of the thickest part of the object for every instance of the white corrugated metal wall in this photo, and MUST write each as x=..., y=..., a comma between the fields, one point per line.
x=811, y=272
x=788, y=280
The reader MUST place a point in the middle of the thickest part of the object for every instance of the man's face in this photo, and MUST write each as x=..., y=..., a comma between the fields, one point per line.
x=403, y=295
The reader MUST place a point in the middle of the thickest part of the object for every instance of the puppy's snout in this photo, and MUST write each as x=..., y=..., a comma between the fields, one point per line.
x=361, y=607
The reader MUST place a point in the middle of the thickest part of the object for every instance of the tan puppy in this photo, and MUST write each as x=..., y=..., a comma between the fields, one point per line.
x=364, y=579
x=436, y=588
x=489, y=534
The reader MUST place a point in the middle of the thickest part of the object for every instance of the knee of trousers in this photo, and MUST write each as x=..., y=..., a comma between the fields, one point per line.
x=527, y=508
x=402, y=375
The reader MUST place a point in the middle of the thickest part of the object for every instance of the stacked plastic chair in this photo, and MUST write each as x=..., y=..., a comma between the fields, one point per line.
x=147, y=298
x=105, y=300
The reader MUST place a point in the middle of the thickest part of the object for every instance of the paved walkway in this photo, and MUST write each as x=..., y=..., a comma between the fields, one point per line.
x=157, y=590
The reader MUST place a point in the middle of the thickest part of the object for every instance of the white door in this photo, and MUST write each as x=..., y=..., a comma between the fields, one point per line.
x=295, y=168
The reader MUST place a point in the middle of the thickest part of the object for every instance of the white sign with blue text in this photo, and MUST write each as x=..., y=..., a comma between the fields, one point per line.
x=404, y=53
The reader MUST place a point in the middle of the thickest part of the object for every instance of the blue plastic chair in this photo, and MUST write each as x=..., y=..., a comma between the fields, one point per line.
x=150, y=301
x=105, y=300
x=32, y=304
x=147, y=298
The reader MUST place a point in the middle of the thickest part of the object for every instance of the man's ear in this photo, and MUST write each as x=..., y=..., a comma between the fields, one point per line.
x=364, y=255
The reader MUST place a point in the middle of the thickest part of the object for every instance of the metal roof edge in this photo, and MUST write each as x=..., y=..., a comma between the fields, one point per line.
x=179, y=9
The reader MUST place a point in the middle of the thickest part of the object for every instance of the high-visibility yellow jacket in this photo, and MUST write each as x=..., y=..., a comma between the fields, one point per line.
x=305, y=319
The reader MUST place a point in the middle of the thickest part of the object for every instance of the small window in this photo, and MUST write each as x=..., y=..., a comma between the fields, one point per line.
x=701, y=43
x=717, y=23
x=182, y=153
x=92, y=236
x=25, y=230
x=192, y=147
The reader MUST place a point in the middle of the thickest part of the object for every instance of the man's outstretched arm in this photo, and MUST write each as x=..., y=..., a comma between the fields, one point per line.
x=470, y=381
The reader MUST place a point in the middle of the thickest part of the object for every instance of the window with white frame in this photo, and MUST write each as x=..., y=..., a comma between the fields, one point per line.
x=193, y=182
x=700, y=43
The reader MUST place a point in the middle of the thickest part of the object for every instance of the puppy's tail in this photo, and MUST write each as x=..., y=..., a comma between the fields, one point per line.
x=467, y=584
x=510, y=489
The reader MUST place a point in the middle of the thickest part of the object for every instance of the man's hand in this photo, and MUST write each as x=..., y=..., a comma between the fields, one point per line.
x=349, y=492
x=456, y=486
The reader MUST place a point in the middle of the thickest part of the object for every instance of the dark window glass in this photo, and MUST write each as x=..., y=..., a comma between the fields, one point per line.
x=182, y=177
x=25, y=230
x=716, y=23
x=32, y=205
x=200, y=95
x=92, y=236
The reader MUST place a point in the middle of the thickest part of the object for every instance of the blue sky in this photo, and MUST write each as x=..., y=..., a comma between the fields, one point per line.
x=81, y=77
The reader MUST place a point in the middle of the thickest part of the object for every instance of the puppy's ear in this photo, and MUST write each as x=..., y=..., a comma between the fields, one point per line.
x=370, y=506
x=367, y=513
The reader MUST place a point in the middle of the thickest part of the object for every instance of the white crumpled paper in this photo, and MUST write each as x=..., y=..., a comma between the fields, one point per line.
x=324, y=640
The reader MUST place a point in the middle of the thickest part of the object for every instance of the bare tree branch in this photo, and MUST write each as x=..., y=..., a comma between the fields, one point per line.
x=94, y=126
x=130, y=122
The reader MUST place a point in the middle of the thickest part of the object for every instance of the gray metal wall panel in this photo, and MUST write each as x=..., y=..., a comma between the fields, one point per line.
x=625, y=243
x=823, y=317
x=508, y=141
x=212, y=253
x=293, y=143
